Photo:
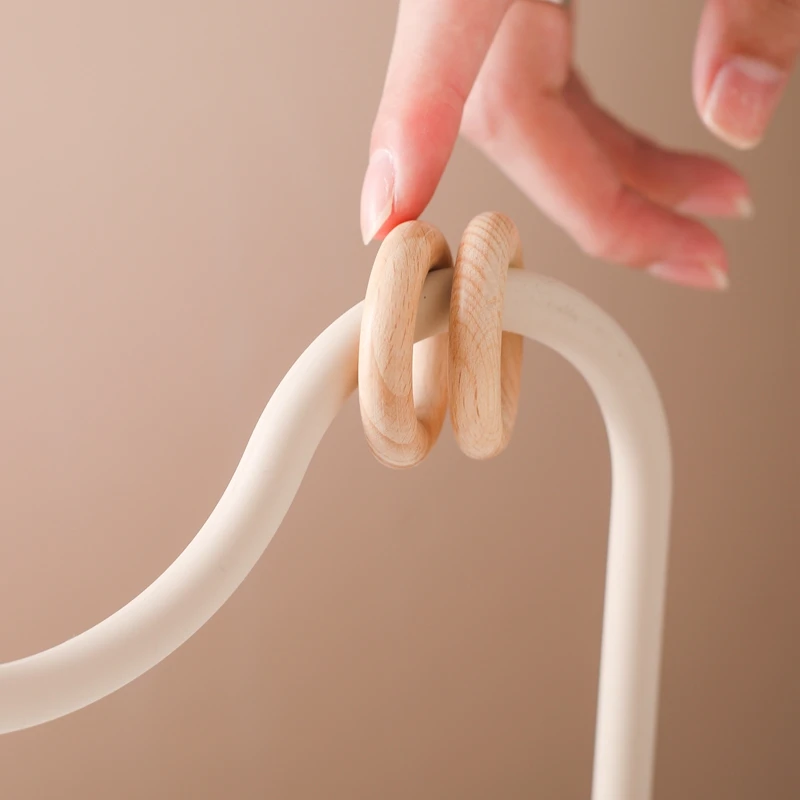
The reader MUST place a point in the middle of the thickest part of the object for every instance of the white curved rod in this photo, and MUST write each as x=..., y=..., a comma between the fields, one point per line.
x=84, y=669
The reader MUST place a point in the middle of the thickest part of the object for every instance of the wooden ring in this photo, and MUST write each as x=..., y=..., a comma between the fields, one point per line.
x=402, y=388
x=485, y=363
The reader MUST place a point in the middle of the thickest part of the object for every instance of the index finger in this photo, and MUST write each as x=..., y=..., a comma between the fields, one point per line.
x=438, y=50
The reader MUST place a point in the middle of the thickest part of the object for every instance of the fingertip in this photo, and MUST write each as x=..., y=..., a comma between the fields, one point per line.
x=382, y=206
x=742, y=100
x=693, y=276
x=746, y=208
x=436, y=56
x=744, y=55
x=411, y=145
x=724, y=196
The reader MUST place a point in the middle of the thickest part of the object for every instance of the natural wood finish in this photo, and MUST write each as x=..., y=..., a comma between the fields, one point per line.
x=402, y=389
x=485, y=364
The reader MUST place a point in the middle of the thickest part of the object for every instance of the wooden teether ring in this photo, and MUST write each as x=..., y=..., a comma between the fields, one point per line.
x=402, y=389
x=485, y=363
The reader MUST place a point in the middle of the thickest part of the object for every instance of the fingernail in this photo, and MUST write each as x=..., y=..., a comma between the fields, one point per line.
x=746, y=208
x=377, y=194
x=716, y=205
x=695, y=276
x=742, y=99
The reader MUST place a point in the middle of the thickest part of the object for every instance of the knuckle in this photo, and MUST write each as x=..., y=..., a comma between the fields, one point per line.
x=490, y=106
x=480, y=123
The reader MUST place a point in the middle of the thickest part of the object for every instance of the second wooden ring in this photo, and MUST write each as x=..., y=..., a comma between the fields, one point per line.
x=485, y=363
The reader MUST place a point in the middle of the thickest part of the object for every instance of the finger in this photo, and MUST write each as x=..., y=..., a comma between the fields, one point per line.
x=745, y=52
x=438, y=50
x=541, y=144
x=686, y=182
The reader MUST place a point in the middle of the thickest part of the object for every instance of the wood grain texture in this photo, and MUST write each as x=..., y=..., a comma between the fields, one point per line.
x=485, y=363
x=402, y=389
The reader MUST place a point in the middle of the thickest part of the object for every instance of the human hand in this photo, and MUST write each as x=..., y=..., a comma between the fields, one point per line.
x=499, y=72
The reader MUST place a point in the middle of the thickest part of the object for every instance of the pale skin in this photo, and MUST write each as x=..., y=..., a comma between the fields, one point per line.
x=500, y=74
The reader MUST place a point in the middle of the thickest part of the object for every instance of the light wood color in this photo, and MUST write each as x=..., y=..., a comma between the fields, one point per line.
x=402, y=389
x=485, y=363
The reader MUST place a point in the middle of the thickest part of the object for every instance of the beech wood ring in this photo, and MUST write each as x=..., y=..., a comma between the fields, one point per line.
x=485, y=363
x=402, y=388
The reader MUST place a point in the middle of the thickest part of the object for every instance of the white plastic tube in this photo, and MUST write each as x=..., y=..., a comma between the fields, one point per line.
x=94, y=664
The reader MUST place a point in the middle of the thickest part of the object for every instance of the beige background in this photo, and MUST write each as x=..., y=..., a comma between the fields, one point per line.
x=178, y=220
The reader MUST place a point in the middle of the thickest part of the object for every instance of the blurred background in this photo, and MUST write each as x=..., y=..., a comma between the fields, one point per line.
x=178, y=221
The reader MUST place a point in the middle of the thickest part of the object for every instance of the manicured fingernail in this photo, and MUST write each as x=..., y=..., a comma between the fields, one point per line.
x=377, y=194
x=716, y=205
x=695, y=276
x=742, y=99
